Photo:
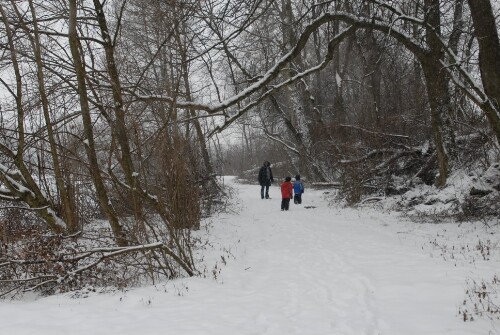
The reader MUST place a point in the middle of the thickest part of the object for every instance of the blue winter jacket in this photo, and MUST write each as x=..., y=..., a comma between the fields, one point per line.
x=298, y=187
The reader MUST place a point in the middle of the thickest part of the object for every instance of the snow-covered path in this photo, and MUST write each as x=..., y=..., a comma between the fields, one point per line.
x=306, y=271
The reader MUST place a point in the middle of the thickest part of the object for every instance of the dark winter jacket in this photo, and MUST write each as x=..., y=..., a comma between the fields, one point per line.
x=265, y=175
x=298, y=187
x=287, y=190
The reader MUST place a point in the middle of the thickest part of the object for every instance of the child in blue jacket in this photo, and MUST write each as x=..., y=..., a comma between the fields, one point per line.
x=298, y=189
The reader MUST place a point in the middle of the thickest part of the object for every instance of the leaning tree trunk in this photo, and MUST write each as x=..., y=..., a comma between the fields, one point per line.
x=120, y=130
x=65, y=199
x=101, y=192
x=486, y=32
x=21, y=183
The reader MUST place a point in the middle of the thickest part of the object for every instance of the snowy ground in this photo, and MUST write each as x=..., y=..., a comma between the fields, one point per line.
x=321, y=270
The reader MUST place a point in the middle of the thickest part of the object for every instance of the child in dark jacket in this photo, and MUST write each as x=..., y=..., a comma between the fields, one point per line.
x=298, y=189
x=286, y=193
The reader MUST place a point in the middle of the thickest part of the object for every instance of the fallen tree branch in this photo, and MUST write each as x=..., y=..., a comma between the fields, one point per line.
x=36, y=282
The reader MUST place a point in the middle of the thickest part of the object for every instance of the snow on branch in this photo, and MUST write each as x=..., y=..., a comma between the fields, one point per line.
x=273, y=88
x=112, y=252
x=11, y=178
x=399, y=12
x=375, y=132
x=467, y=84
x=354, y=21
x=276, y=139
x=36, y=282
x=263, y=81
x=16, y=188
x=380, y=152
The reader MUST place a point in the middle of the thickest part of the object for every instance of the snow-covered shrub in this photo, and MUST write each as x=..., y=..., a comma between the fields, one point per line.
x=45, y=263
x=483, y=198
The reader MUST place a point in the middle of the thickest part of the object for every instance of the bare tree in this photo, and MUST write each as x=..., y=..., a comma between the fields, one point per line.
x=89, y=139
x=17, y=178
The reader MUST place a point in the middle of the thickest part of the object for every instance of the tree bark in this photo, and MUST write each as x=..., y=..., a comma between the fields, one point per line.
x=119, y=126
x=438, y=91
x=486, y=32
x=120, y=129
x=68, y=212
x=102, y=195
x=439, y=102
x=22, y=186
x=187, y=86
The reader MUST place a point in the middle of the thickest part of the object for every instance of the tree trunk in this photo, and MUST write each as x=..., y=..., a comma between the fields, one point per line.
x=302, y=116
x=102, y=195
x=199, y=131
x=22, y=185
x=120, y=128
x=486, y=32
x=438, y=91
x=439, y=102
x=67, y=210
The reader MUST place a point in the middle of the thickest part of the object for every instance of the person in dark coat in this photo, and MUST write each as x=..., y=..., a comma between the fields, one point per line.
x=265, y=179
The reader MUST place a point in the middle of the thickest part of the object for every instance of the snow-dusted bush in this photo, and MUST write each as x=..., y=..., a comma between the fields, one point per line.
x=47, y=263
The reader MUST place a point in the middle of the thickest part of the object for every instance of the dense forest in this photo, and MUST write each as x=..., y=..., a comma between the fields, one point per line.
x=118, y=116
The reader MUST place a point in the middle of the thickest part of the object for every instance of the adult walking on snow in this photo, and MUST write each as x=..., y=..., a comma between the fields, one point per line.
x=265, y=179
